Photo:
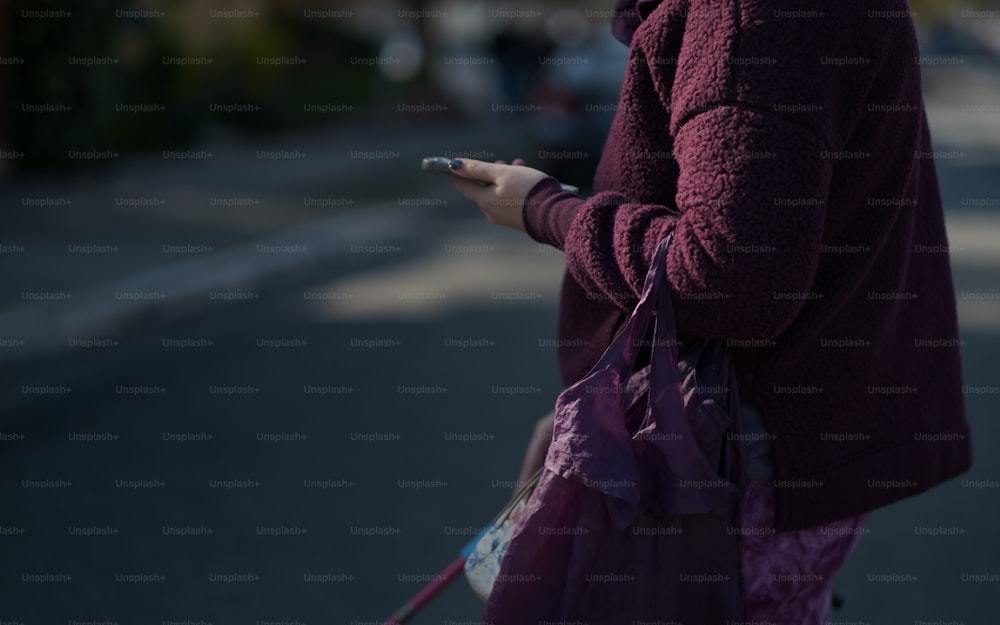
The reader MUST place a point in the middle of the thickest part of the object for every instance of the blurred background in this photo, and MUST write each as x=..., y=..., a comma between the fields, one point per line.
x=256, y=367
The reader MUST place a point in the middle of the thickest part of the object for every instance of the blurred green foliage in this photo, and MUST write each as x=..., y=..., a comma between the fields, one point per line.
x=83, y=96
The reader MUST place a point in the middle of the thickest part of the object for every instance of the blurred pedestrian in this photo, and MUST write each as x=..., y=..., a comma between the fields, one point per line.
x=517, y=50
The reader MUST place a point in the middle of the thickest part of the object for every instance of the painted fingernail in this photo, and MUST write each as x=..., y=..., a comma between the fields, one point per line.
x=455, y=163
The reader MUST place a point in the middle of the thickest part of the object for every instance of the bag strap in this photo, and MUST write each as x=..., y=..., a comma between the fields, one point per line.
x=625, y=347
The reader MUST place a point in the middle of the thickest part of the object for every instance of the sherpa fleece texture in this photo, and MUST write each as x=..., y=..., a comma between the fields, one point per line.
x=788, y=146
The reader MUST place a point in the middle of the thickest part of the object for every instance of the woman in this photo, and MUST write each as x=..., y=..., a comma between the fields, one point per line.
x=788, y=149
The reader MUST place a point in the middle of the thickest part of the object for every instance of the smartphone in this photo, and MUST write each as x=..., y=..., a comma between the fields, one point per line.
x=439, y=165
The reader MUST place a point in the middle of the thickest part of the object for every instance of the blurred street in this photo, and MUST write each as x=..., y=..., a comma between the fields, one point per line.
x=408, y=416
x=243, y=389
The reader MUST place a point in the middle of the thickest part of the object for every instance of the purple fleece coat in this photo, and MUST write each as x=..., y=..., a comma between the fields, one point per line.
x=789, y=147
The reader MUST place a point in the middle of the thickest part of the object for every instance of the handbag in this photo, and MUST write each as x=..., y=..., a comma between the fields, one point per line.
x=632, y=517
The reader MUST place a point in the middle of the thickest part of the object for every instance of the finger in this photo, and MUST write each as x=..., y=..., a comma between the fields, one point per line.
x=476, y=191
x=519, y=161
x=476, y=170
x=500, y=162
x=484, y=197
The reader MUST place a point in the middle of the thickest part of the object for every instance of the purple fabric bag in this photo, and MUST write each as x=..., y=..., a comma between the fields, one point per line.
x=636, y=515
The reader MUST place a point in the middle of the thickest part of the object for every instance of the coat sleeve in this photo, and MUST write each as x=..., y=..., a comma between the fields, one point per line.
x=751, y=204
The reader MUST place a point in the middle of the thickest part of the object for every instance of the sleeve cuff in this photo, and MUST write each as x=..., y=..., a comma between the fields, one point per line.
x=549, y=211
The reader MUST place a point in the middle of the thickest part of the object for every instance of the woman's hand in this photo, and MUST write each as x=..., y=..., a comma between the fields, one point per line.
x=502, y=200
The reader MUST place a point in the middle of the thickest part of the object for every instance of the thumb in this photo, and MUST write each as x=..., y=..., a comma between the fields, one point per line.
x=475, y=170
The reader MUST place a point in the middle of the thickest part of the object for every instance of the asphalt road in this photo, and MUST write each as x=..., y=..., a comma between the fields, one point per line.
x=214, y=471
x=319, y=451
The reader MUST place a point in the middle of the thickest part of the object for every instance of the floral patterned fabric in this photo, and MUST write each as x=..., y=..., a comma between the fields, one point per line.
x=787, y=577
x=483, y=563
